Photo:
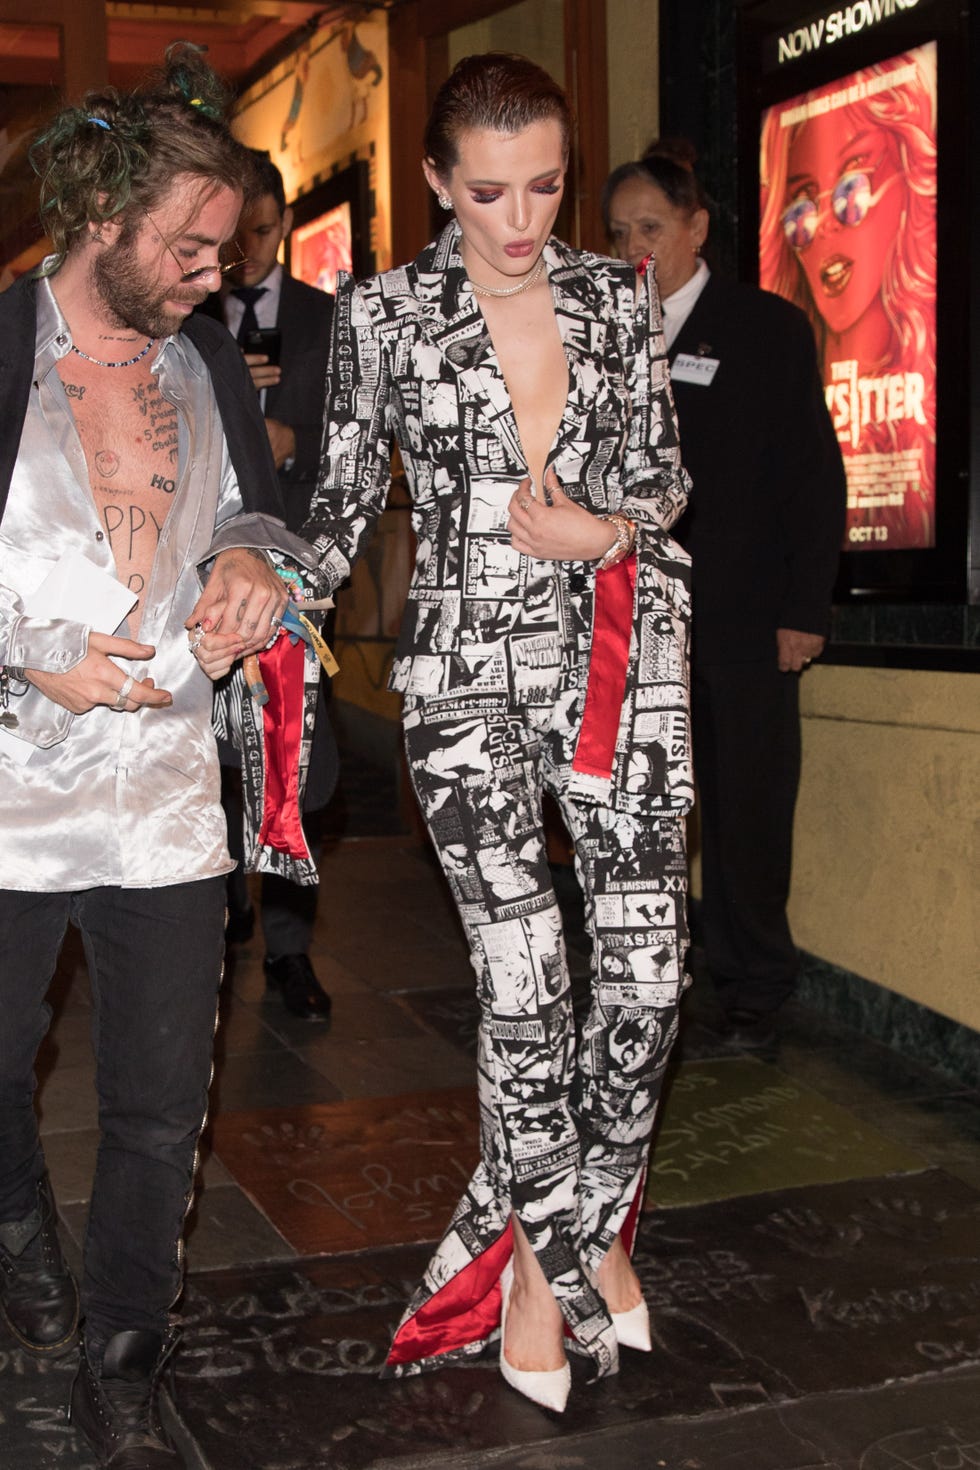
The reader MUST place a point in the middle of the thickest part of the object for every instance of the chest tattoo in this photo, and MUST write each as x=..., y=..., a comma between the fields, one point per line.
x=129, y=435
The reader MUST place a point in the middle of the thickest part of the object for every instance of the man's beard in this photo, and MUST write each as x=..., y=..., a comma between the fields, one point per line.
x=119, y=280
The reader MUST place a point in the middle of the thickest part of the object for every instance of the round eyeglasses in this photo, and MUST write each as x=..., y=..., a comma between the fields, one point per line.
x=219, y=268
x=850, y=200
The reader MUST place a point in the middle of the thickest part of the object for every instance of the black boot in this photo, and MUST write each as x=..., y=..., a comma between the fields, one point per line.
x=116, y=1408
x=38, y=1295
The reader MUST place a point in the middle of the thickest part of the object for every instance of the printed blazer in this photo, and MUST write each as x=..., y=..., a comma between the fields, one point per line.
x=411, y=356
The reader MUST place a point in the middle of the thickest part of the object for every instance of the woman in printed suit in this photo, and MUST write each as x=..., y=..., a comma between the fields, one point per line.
x=544, y=647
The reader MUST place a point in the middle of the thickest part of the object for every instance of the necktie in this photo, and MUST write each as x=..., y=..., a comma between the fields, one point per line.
x=249, y=295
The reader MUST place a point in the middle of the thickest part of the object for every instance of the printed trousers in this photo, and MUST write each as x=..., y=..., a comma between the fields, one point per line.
x=565, y=1122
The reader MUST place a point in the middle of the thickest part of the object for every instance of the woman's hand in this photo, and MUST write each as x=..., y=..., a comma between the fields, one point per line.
x=243, y=601
x=215, y=652
x=561, y=531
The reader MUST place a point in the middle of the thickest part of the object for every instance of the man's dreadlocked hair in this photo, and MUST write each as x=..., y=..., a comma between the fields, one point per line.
x=119, y=153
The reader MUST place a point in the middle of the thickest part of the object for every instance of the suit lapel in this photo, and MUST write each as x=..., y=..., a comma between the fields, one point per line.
x=453, y=323
x=581, y=315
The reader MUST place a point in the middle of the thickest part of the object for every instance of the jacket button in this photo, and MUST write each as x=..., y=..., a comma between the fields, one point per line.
x=99, y=536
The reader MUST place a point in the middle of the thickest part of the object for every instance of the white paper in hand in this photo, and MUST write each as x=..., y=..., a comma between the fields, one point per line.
x=74, y=588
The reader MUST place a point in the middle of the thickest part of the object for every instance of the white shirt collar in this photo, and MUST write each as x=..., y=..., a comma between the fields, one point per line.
x=677, y=307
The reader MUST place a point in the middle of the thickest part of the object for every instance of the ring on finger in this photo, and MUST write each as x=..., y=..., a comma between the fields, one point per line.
x=120, y=700
x=524, y=503
x=197, y=639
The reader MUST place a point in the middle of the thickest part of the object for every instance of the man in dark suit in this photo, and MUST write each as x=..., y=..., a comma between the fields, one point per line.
x=289, y=377
x=764, y=527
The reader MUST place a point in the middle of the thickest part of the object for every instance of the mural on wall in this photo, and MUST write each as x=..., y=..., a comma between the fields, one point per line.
x=326, y=103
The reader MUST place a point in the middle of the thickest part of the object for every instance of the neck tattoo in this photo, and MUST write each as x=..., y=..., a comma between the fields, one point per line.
x=526, y=282
x=128, y=362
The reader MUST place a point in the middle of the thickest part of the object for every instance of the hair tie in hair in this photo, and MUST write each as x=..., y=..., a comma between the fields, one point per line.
x=206, y=109
x=100, y=122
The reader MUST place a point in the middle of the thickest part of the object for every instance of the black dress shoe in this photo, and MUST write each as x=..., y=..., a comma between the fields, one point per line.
x=750, y=1030
x=116, y=1408
x=240, y=925
x=38, y=1295
x=302, y=994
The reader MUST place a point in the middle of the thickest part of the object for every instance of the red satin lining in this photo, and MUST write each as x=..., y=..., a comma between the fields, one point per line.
x=282, y=718
x=465, y=1310
x=628, y=1232
x=612, y=626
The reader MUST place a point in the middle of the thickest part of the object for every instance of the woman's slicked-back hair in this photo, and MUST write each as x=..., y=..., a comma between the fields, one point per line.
x=118, y=154
x=496, y=92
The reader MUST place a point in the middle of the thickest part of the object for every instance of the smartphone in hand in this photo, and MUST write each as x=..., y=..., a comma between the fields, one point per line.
x=267, y=341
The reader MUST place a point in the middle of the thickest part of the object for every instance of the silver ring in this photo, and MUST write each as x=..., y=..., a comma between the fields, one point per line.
x=197, y=639
x=120, y=700
x=275, y=622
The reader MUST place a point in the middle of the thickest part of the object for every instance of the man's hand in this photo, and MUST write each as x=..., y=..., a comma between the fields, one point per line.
x=283, y=441
x=795, y=649
x=238, y=611
x=95, y=679
x=265, y=374
x=561, y=531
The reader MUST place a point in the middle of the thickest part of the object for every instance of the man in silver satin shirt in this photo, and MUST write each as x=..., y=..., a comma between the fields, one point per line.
x=138, y=444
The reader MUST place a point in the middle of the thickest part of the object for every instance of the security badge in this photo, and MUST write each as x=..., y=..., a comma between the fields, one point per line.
x=698, y=368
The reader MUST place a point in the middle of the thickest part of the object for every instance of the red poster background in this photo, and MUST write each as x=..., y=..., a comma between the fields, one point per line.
x=319, y=250
x=863, y=268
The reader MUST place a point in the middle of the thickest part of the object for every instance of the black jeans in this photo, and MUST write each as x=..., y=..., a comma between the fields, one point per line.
x=154, y=959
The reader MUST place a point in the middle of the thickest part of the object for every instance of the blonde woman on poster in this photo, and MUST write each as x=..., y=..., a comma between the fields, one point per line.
x=848, y=233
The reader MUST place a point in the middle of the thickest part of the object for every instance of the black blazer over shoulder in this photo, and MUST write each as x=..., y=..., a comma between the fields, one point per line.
x=766, y=516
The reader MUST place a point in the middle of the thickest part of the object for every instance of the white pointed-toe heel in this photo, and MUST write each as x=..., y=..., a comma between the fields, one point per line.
x=632, y=1328
x=550, y=1388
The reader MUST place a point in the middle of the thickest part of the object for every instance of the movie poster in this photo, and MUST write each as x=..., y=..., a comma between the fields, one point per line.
x=848, y=233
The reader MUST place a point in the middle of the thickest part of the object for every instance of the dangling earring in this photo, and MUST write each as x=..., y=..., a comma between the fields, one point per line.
x=444, y=201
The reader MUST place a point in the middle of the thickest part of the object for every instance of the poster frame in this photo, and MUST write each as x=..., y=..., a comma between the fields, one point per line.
x=352, y=186
x=949, y=571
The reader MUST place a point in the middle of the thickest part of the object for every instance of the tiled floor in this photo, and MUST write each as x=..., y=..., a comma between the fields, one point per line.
x=813, y=1260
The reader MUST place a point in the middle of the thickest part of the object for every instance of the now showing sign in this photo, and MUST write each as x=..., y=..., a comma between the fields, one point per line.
x=836, y=25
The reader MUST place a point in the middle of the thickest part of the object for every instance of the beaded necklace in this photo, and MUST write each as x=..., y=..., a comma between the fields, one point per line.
x=129, y=360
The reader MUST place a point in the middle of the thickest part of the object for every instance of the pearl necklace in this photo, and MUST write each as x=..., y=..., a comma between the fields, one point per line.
x=129, y=360
x=527, y=282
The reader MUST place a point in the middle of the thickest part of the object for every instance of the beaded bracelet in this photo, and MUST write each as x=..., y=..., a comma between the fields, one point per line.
x=625, y=540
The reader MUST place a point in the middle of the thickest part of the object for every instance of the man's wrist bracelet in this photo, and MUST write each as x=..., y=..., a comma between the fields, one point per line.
x=625, y=540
